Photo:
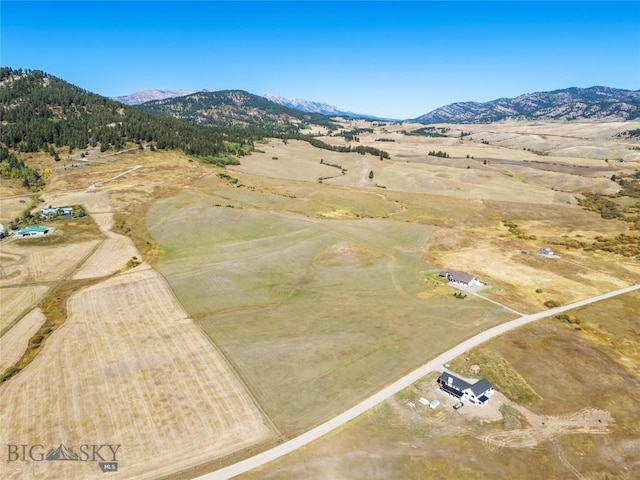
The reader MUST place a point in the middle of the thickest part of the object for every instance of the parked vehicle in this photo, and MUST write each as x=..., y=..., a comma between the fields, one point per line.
x=458, y=406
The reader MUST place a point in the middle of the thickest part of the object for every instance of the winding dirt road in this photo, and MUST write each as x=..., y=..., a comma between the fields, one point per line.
x=434, y=365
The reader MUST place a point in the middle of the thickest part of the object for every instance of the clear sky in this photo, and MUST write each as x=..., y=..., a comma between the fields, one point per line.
x=392, y=59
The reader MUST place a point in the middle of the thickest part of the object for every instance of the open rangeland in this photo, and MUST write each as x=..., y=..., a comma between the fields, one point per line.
x=581, y=422
x=311, y=279
x=315, y=313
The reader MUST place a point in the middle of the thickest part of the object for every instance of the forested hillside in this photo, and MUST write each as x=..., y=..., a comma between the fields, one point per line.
x=238, y=108
x=40, y=112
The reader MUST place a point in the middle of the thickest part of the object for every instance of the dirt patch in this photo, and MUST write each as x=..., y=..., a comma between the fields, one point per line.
x=542, y=428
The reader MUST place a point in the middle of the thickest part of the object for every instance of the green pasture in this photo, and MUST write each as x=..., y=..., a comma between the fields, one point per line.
x=315, y=314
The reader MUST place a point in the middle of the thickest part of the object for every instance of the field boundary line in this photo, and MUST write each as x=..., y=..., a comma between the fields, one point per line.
x=272, y=426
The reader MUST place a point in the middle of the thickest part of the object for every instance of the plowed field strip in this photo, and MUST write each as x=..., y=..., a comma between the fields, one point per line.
x=16, y=302
x=14, y=343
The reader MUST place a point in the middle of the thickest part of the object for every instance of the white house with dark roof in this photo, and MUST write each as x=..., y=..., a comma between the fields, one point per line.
x=461, y=278
x=476, y=394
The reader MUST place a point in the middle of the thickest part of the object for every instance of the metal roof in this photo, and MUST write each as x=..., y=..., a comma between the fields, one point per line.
x=459, y=277
x=456, y=382
x=34, y=228
x=480, y=387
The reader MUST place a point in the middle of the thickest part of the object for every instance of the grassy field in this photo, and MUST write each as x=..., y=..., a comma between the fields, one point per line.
x=315, y=313
x=583, y=422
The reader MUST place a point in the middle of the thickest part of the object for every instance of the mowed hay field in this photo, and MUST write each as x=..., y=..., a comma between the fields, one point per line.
x=33, y=262
x=17, y=301
x=314, y=313
x=14, y=342
x=129, y=368
x=586, y=376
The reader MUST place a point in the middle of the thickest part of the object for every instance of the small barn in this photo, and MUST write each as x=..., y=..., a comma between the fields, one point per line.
x=32, y=231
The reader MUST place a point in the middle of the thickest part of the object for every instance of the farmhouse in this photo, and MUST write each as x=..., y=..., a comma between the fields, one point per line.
x=62, y=211
x=477, y=394
x=32, y=231
x=461, y=278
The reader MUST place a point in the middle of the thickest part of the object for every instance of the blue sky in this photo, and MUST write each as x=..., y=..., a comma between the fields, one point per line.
x=393, y=59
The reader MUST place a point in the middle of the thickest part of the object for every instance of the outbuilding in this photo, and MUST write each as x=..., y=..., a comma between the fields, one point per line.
x=32, y=231
x=461, y=278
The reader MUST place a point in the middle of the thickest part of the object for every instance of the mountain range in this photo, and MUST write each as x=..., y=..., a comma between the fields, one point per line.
x=594, y=103
x=236, y=108
x=318, y=107
x=307, y=106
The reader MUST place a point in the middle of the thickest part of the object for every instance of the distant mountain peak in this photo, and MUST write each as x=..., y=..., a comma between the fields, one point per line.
x=594, y=103
x=307, y=105
x=143, y=96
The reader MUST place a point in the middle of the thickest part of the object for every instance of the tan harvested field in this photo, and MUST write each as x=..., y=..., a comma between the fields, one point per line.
x=17, y=301
x=31, y=262
x=128, y=367
x=12, y=206
x=111, y=256
x=306, y=296
x=584, y=424
x=14, y=342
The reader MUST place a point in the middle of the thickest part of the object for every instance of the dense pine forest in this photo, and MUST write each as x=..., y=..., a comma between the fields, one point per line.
x=39, y=112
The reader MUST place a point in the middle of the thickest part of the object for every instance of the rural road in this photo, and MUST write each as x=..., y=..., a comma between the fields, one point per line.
x=434, y=365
